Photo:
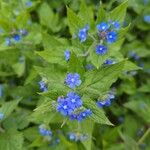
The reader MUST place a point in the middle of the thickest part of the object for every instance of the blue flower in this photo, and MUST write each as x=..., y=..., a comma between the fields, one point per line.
x=134, y=55
x=147, y=18
x=101, y=49
x=116, y=25
x=29, y=3
x=67, y=55
x=8, y=41
x=81, y=115
x=145, y=2
x=17, y=37
x=43, y=131
x=103, y=103
x=74, y=99
x=43, y=86
x=23, y=32
x=103, y=26
x=109, y=62
x=89, y=67
x=83, y=33
x=111, y=37
x=73, y=80
x=106, y=102
x=72, y=136
x=1, y=115
x=64, y=106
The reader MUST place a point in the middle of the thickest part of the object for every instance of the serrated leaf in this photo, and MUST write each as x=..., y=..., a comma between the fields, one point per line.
x=74, y=21
x=8, y=107
x=118, y=14
x=11, y=141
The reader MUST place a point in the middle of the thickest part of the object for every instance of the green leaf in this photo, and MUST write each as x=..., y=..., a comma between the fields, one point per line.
x=11, y=141
x=99, y=81
x=74, y=21
x=75, y=65
x=118, y=14
x=8, y=107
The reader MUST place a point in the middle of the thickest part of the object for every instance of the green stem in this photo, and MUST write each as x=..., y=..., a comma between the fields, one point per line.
x=144, y=136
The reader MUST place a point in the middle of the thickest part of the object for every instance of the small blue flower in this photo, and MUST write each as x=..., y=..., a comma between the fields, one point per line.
x=83, y=33
x=111, y=37
x=116, y=25
x=73, y=80
x=109, y=62
x=8, y=41
x=121, y=119
x=67, y=55
x=72, y=136
x=29, y=3
x=43, y=86
x=81, y=115
x=147, y=18
x=1, y=31
x=89, y=67
x=74, y=99
x=101, y=49
x=65, y=106
x=103, y=26
x=23, y=32
x=17, y=37
x=107, y=101
x=145, y=2
x=134, y=55
x=84, y=114
x=103, y=103
x=1, y=115
x=43, y=131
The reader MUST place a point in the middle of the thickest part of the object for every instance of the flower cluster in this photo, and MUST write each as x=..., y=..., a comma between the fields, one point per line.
x=71, y=106
x=44, y=132
x=107, y=32
x=16, y=37
x=1, y=115
x=73, y=80
x=106, y=102
x=77, y=136
x=43, y=86
x=83, y=33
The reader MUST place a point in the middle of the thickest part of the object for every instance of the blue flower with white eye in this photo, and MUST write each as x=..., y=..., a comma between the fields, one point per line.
x=147, y=18
x=16, y=37
x=43, y=86
x=74, y=99
x=73, y=80
x=1, y=115
x=65, y=106
x=43, y=131
x=111, y=37
x=67, y=55
x=103, y=26
x=82, y=34
x=101, y=49
x=8, y=41
x=116, y=25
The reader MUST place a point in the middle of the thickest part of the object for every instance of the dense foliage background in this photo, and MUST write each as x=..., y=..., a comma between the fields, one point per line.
x=42, y=41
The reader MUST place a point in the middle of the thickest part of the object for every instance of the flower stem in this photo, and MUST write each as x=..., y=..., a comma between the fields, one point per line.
x=144, y=136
